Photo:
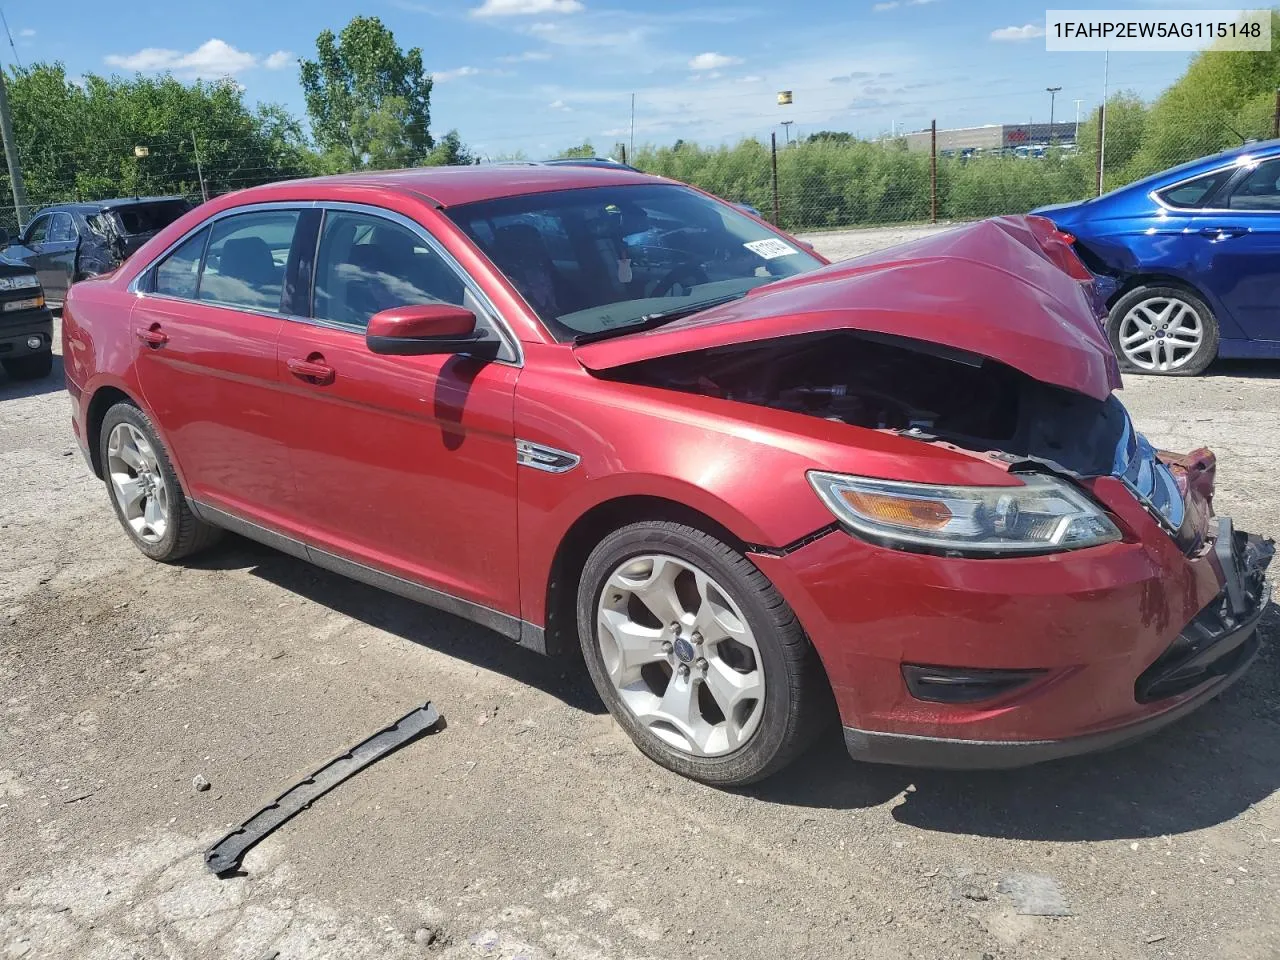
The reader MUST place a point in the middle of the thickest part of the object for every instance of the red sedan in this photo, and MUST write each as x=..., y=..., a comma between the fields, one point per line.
x=588, y=407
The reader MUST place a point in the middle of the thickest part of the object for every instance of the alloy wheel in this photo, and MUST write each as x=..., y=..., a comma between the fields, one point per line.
x=137, y=482
x=681, y=655
x=1161, y=334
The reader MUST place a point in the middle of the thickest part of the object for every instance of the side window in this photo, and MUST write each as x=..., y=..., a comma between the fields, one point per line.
x=1260, y=190
x=1197, y=192
x=366, y=264
x=62, y=229
x=37, y=229
x=246, y=258
x=178, y=274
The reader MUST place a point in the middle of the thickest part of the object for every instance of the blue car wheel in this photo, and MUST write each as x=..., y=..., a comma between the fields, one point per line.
x=1163, y=330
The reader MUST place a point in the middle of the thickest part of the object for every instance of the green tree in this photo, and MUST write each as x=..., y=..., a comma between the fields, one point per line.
x=450, y=151
x=369, y=102
x=77, y=139
x=585, y=149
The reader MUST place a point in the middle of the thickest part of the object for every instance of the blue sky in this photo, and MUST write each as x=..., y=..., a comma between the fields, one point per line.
x=539, y=75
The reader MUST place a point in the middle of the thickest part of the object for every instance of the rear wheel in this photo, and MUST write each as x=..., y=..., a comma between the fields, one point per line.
x=1163, y=330
x=696, y=655
x=144, y=488
x=34, y=366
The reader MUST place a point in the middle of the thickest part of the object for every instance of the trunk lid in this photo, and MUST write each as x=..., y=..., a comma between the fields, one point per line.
x=994, y=288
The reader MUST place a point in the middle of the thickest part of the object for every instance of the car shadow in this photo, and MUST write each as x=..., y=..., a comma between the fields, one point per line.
x=1245, y=369
x=1203, y=770
x=11, y=389
x=562, y=677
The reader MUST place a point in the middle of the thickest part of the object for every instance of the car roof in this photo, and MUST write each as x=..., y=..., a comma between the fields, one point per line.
x=452, y=186
x=98, y=206
x=1264, y=149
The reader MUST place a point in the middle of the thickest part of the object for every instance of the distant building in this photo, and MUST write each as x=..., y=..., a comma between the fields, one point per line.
x=994, y=137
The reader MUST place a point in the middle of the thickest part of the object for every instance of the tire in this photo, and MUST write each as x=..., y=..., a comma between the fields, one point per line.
x=34, y=366
x=774, y=655
x=146, y=467
x=1191, y=318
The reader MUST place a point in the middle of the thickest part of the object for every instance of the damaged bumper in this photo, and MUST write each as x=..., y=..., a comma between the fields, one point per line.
x=967, y=664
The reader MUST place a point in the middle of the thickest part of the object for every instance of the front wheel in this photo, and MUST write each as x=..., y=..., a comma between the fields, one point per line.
x=1163, y=330
x=697, y=656
x=34, y=366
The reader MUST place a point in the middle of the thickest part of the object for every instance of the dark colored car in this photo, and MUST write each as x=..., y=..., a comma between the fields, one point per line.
x=26, y=325
x=1191, y=260
x=753, y=488
x=69, y=241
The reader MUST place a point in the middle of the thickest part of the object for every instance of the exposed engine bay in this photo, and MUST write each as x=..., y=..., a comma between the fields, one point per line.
x=920, y=389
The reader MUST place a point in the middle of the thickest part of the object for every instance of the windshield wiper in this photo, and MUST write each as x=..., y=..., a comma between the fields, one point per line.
x=650, y=321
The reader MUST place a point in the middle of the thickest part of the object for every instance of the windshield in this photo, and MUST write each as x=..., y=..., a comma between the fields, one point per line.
x=600, y=260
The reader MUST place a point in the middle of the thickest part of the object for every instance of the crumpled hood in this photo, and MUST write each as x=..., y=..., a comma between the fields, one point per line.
x=991, y=288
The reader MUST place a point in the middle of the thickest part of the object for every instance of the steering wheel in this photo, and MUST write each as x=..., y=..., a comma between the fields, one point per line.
x=689, y=271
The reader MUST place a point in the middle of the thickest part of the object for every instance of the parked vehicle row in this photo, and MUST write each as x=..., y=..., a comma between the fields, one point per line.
x=594, y=409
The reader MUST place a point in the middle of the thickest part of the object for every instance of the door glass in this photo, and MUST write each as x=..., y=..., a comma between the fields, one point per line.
x=177, y=274
x=245, y=264
x=37, y=229
x=1260, y=190
x=366, y=264
x=1195, y=193
x=62, y=229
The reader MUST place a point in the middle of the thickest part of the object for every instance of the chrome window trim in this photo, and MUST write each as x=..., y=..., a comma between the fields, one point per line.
x=1237, y=165
x=505, y=333
x=494, y=318
x=137, y=282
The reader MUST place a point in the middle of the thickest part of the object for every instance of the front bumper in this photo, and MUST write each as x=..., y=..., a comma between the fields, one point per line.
x=17, y=329
x=1118, y=640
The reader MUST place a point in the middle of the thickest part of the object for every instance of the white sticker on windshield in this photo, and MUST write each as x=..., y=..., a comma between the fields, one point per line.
x=771, y=248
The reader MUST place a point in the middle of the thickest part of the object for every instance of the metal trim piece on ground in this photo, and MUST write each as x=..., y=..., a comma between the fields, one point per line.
x=225, y=855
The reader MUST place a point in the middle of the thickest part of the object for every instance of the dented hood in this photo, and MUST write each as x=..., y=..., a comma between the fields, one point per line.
x=990, y=288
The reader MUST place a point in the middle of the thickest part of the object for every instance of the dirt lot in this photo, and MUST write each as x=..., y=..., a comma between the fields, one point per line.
x=529, y=827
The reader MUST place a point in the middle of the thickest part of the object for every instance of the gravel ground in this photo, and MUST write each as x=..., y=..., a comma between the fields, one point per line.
x=529, y=827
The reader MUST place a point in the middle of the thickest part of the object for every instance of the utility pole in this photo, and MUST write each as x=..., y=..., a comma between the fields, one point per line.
x=632, y=147
x=1053, y=96
x=1078, y=102
x=204, y=191
x=773, y=150
x=786, y=125
x=11, y=157
x=933, y=172
x=1102, y=122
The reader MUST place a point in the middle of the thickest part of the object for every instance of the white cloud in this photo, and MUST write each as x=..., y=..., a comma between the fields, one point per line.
x=712, y=61
x=26, y=32
x=751, y=78
x=444, y=76
x=212, y=59
x=887, y=5
x=278, y=60
x=560, y=105
x=1017, y=34
x=524, y=8
x=527, y=57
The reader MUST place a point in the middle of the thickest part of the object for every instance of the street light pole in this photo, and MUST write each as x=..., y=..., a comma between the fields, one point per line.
x=1053, y=95
x=1078, y=102
x=786, y=125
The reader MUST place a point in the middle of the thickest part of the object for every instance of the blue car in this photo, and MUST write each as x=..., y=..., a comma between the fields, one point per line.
x=1189, y=259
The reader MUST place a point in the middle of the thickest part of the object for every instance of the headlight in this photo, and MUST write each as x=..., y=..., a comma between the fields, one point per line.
x=1041, y=516
x=20, y=282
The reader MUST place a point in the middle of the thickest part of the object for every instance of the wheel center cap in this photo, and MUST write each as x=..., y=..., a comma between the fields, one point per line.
x=684, y=650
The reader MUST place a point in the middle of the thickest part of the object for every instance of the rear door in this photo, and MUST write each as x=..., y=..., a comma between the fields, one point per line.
x=1240, y=250
x=206, y=329
x=403, y=464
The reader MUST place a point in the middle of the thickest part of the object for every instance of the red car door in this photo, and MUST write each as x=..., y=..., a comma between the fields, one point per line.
x=405, y=465
x=206, y=328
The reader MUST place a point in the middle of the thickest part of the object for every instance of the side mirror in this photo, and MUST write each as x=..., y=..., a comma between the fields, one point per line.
x=427, y=328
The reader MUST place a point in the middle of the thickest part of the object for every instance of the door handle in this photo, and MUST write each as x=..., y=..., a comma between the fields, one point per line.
x=1223, y=233
x=312, y=370
x=153, y=336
